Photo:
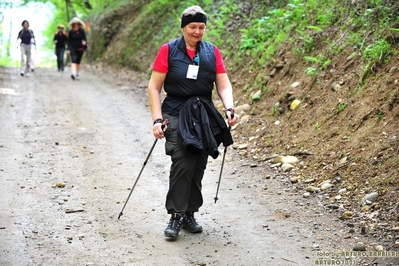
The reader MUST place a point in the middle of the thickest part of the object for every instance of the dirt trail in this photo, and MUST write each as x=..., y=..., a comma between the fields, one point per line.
x=94, y=135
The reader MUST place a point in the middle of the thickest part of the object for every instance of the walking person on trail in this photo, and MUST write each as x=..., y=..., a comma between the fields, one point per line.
x=26, y=35
x=187, y=68
x=77, y=43
x=60, y=40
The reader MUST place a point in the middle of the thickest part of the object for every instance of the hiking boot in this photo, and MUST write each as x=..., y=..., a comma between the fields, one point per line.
x=172, y=231
x=190, y=224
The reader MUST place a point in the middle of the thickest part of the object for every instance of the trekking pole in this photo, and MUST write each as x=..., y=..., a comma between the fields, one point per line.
x=221, y=168
x=220, y=175
x=144, y=164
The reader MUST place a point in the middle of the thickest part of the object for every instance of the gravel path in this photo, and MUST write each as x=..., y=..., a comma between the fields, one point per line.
x=71, y=150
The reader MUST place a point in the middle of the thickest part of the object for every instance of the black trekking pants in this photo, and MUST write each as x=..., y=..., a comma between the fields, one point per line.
x=186, y=172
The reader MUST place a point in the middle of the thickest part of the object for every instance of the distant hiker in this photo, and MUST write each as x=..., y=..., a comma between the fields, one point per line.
x=26, y=35
x=187, y=69
x=60, y=40
x=77, y=43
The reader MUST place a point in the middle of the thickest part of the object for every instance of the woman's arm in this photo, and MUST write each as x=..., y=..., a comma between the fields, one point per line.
x=154, y=97
x=225, y=92
x=84, y=38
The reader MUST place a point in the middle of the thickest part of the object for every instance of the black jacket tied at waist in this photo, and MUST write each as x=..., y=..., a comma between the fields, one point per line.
x=202, y=127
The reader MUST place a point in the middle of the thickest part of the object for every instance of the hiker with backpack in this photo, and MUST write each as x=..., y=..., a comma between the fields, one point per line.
x=27, y=37
x=60, y=40
x=77, y=43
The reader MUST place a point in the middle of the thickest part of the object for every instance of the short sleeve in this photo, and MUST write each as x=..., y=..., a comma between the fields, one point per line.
x=161, y=61
x=220, y=67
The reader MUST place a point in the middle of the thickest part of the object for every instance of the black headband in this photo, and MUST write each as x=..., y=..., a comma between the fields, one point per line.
x=189, y=18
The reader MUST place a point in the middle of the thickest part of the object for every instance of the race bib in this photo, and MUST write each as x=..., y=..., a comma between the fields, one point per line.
x=192, y=72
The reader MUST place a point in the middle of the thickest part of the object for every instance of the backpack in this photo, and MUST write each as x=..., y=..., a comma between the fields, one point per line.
x=63, y=33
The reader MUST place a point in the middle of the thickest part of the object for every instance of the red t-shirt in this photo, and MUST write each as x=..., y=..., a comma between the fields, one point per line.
x=161, y=61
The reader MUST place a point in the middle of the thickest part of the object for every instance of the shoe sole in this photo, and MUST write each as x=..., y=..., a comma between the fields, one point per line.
x=185, y=227
x=192, y=231
x=171, y=236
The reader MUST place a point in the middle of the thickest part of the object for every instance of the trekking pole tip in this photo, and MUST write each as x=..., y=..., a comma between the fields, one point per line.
x=120, y=214
x=216, y=198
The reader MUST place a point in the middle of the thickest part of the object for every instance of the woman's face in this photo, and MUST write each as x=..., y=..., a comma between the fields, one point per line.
x=193, y=32
x=75, y=26
x=26, y=25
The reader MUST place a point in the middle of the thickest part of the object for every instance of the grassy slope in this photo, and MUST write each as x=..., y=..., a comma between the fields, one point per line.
x=356, y=121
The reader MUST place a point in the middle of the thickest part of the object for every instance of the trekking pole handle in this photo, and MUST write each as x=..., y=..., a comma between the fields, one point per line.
x=232, y=112
x=165, y=123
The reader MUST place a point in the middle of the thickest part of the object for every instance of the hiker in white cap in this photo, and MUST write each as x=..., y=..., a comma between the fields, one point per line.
x=77, y=43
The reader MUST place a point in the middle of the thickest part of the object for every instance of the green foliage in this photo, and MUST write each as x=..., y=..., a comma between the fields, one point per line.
x=253, y=41
x=217, y=25
x=266, y=89
x=315, y=28
x=377, y=52
x=341, y=107
x=317, y=126
x=274, y=111
x=311, y=59
x=267, y=30
x=311, y=71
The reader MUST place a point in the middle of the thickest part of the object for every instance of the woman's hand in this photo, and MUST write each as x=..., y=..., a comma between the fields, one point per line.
x=232, y=117
x=159, y=129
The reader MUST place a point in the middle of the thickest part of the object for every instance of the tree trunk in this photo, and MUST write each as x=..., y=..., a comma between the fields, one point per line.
x=69, y=6
x=87, y=4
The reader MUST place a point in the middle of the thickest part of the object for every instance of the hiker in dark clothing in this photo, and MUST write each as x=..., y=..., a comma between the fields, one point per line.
x=60, y=40
x=187, y=69
x=77, y=42
x=27, y=37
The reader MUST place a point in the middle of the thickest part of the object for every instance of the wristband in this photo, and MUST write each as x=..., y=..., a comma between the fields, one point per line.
x=232, y=111
x=159, y=120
